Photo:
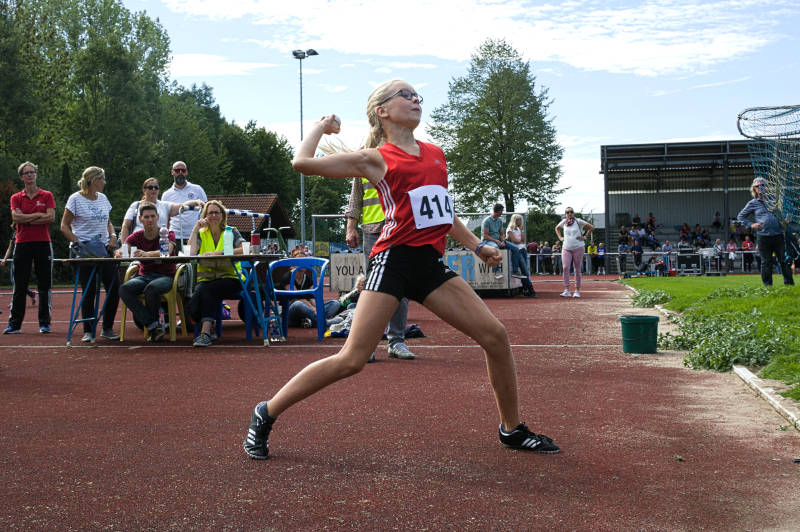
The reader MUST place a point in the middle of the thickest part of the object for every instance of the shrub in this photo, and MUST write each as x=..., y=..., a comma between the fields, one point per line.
x=649, y=298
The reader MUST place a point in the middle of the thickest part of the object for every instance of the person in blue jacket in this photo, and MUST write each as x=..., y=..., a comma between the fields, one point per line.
x=769, y=233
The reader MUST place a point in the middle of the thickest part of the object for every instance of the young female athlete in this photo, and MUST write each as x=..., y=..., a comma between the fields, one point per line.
x=411, y=179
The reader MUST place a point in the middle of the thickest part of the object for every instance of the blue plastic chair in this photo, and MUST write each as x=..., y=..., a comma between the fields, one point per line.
x=317, y=266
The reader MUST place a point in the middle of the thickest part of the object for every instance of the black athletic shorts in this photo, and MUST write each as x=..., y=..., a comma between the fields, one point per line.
x=407, y=271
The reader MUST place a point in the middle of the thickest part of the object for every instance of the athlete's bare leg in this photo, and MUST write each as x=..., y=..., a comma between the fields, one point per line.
x=372, y=314
x=457, y=304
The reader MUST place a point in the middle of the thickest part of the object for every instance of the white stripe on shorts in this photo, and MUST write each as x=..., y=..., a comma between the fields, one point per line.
x=376, y=271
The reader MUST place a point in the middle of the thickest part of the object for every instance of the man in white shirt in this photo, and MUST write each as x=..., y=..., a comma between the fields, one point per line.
x=182, y=191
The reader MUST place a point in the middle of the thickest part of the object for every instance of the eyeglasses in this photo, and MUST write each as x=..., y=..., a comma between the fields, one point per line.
x=570, y=212
x=152, y=187
x=179, y=170
x=29, y=172
x=405, y=94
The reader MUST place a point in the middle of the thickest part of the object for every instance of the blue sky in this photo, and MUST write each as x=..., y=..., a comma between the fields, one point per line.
x=618, y=72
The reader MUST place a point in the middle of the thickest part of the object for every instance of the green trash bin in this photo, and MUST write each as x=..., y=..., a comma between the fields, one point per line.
x=639, y=334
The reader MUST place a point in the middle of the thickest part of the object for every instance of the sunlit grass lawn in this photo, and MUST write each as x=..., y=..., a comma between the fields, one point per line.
x=745, y=299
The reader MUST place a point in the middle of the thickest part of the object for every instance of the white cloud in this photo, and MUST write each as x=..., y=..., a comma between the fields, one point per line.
x=189, y=65
x=333, y=89
x=702, y=86
x=646, y=37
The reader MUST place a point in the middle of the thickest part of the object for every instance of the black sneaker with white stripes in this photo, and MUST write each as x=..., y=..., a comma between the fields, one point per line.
x=256, y=444
x=522, y=438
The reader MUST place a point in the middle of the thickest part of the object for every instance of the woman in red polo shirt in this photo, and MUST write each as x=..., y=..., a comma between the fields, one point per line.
x=33, y=210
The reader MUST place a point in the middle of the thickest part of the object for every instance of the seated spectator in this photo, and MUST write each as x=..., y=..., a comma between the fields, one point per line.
x=650, y=222
x=684, y=246
x=640, y=233
x=515, y=238
x=705, y=234
x=636, y=220
x=216, y=279
x=645, y=266
x=697, y=231
x=493, y=235
x=154, y=278
x=303, y=312
x=686, y=231
x=700, y=242
x=622, y=249
x=623, y=234
x=651, y=241
x=717, y=223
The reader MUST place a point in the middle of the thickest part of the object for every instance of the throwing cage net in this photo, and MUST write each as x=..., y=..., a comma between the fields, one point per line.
x=775, y=155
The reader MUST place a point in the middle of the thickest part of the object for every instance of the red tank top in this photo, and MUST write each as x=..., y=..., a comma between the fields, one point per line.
x=414, y=197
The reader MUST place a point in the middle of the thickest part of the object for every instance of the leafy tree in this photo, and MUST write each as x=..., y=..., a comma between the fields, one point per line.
x=540, y=225
x=496, y=135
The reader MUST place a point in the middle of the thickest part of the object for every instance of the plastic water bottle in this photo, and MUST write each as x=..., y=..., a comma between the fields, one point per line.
x=163, y=241
x=227, y=241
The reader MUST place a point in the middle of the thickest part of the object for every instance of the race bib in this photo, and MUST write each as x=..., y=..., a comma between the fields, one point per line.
x=431, y=206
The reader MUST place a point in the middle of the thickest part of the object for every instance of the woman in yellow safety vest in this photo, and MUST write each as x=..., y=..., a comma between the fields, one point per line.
x=216, y=279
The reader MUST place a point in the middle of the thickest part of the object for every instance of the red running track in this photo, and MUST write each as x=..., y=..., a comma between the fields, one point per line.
x=133, y=436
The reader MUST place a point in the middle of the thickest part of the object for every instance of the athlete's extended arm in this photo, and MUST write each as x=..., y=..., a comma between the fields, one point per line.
x=488, y=254
x=362, y=163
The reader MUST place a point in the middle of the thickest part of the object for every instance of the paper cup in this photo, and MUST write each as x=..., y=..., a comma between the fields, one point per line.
x=245, y=248
x=126, y=251
x=133, y=250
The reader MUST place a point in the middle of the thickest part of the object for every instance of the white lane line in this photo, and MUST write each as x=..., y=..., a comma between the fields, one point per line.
x=278, y=345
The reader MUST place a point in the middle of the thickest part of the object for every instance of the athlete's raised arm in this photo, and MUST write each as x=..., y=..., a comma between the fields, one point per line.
x=362, y=163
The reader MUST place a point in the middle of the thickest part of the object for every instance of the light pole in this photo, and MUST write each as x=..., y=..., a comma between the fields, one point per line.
x=300, y=55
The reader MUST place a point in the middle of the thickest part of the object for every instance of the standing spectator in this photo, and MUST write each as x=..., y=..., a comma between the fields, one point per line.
x=747, y=253
x=154, y=279
x=10, y=255
x=637, y=251
x=365, y=205
x=719, y=252
x=533, y=254
x=516, y=238
x=666, y=249
x=86, y=221
x=572, y=251
x=547, y=258
x=556, y=258
x=166, y=209
x=183, y=191
x=622, y=255
x=770, y=233
x=731, y=249
x=591, y=250
x=32, y=211
x=601, y=258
